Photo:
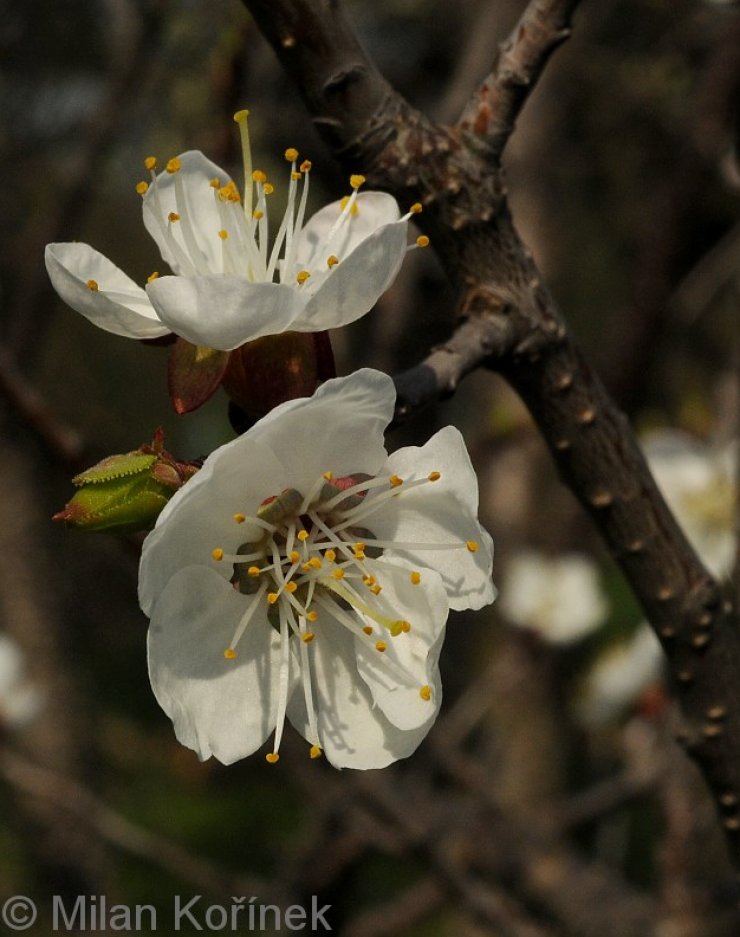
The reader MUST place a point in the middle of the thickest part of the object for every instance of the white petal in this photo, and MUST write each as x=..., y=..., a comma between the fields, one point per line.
x=224, y=311
x=357, y=282
x=339, y=429
x=416, y=653
x=128, y=312
x=225, y=708
x=374, y=210
x=235, y=478
x=353, y=732
x=200, y=209
x=444, y=511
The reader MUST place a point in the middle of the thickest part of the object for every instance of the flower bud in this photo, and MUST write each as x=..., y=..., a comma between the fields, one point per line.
x=125, y=493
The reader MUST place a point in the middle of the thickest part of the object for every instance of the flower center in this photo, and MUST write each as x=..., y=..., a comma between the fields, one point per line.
x=315, y=558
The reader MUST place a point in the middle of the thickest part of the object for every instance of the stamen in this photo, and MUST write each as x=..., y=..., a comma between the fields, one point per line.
x=284, y=679
x=241, y=119
x=422, y=241
x=425, y=692
x=291, y=154
x=381, y=646
x=150, y=163
x=152, y=277
x=142, y=187
x=240, y=518
x=395, y=481
x=244, y=621
x=356, y=181
x=315, y=752
x=472, y=545
x=173, y=165
x=217, y=554
x=332, y=260
x=92, y=285
x=173, y=217
x=272, y=758
x=415, y=578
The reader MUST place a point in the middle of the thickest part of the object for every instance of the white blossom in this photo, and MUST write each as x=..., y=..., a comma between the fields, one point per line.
x=20, y=699
x=559, y=597
x=306, y=574
x=621, y=675
x=231, y=283
x=698, y=480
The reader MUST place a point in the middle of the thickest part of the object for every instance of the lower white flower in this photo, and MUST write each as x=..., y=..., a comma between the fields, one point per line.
x=306, y=574
x=234, y=283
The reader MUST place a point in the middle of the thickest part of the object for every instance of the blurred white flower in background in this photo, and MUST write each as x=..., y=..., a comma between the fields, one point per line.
x=698, y=481
x=558, y=597
x=620, y=676
x=20, y=699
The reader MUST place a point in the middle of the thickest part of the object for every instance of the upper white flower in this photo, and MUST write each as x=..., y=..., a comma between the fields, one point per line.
x=20, y=700
x=698, y=481
x=559, y=597
x=231, y=285
x=305, y=573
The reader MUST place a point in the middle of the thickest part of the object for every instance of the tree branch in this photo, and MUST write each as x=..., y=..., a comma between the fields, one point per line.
x=491, y=112
x=512, y=324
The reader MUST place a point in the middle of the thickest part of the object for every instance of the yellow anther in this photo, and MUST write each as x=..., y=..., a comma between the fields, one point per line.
x=272, y=598
x=416, y=208
x=241, y=115
x=272, y=758
x=302, y=535
x=174, y=165
x=173, y=216
x=291, y=154
x=368, y=629
x=415, y=578
x=332, y=260
x=268, y=188
x=215, y=183
x=150, y=163
x=315, y=562
x=328, y=476
x=369, y=580
x=356, y=181
x=376, y=589
x=422, y=241
x=230, y=653
x=433, y=476
x=359, y=555
x=315, y=752
x=425, y=692
x=307, y=637
x=240, y=518
x=302, y=276
x=338, y=573
x=395, y=481
x=405, y=626
x=217, y=554
x=472, y=545
x=254, y=571
x=330, y=555
x=92, y=285
x=152, y=276
x=305, y=567
x=380, y=646
x=358, y=547
x=312, y=615
x=305, y=165
x=291, y=587
x=294, y=556
x=295, y=176
x=259, y=176
x=142, y=187
x=223, y=234
x=258, y=215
